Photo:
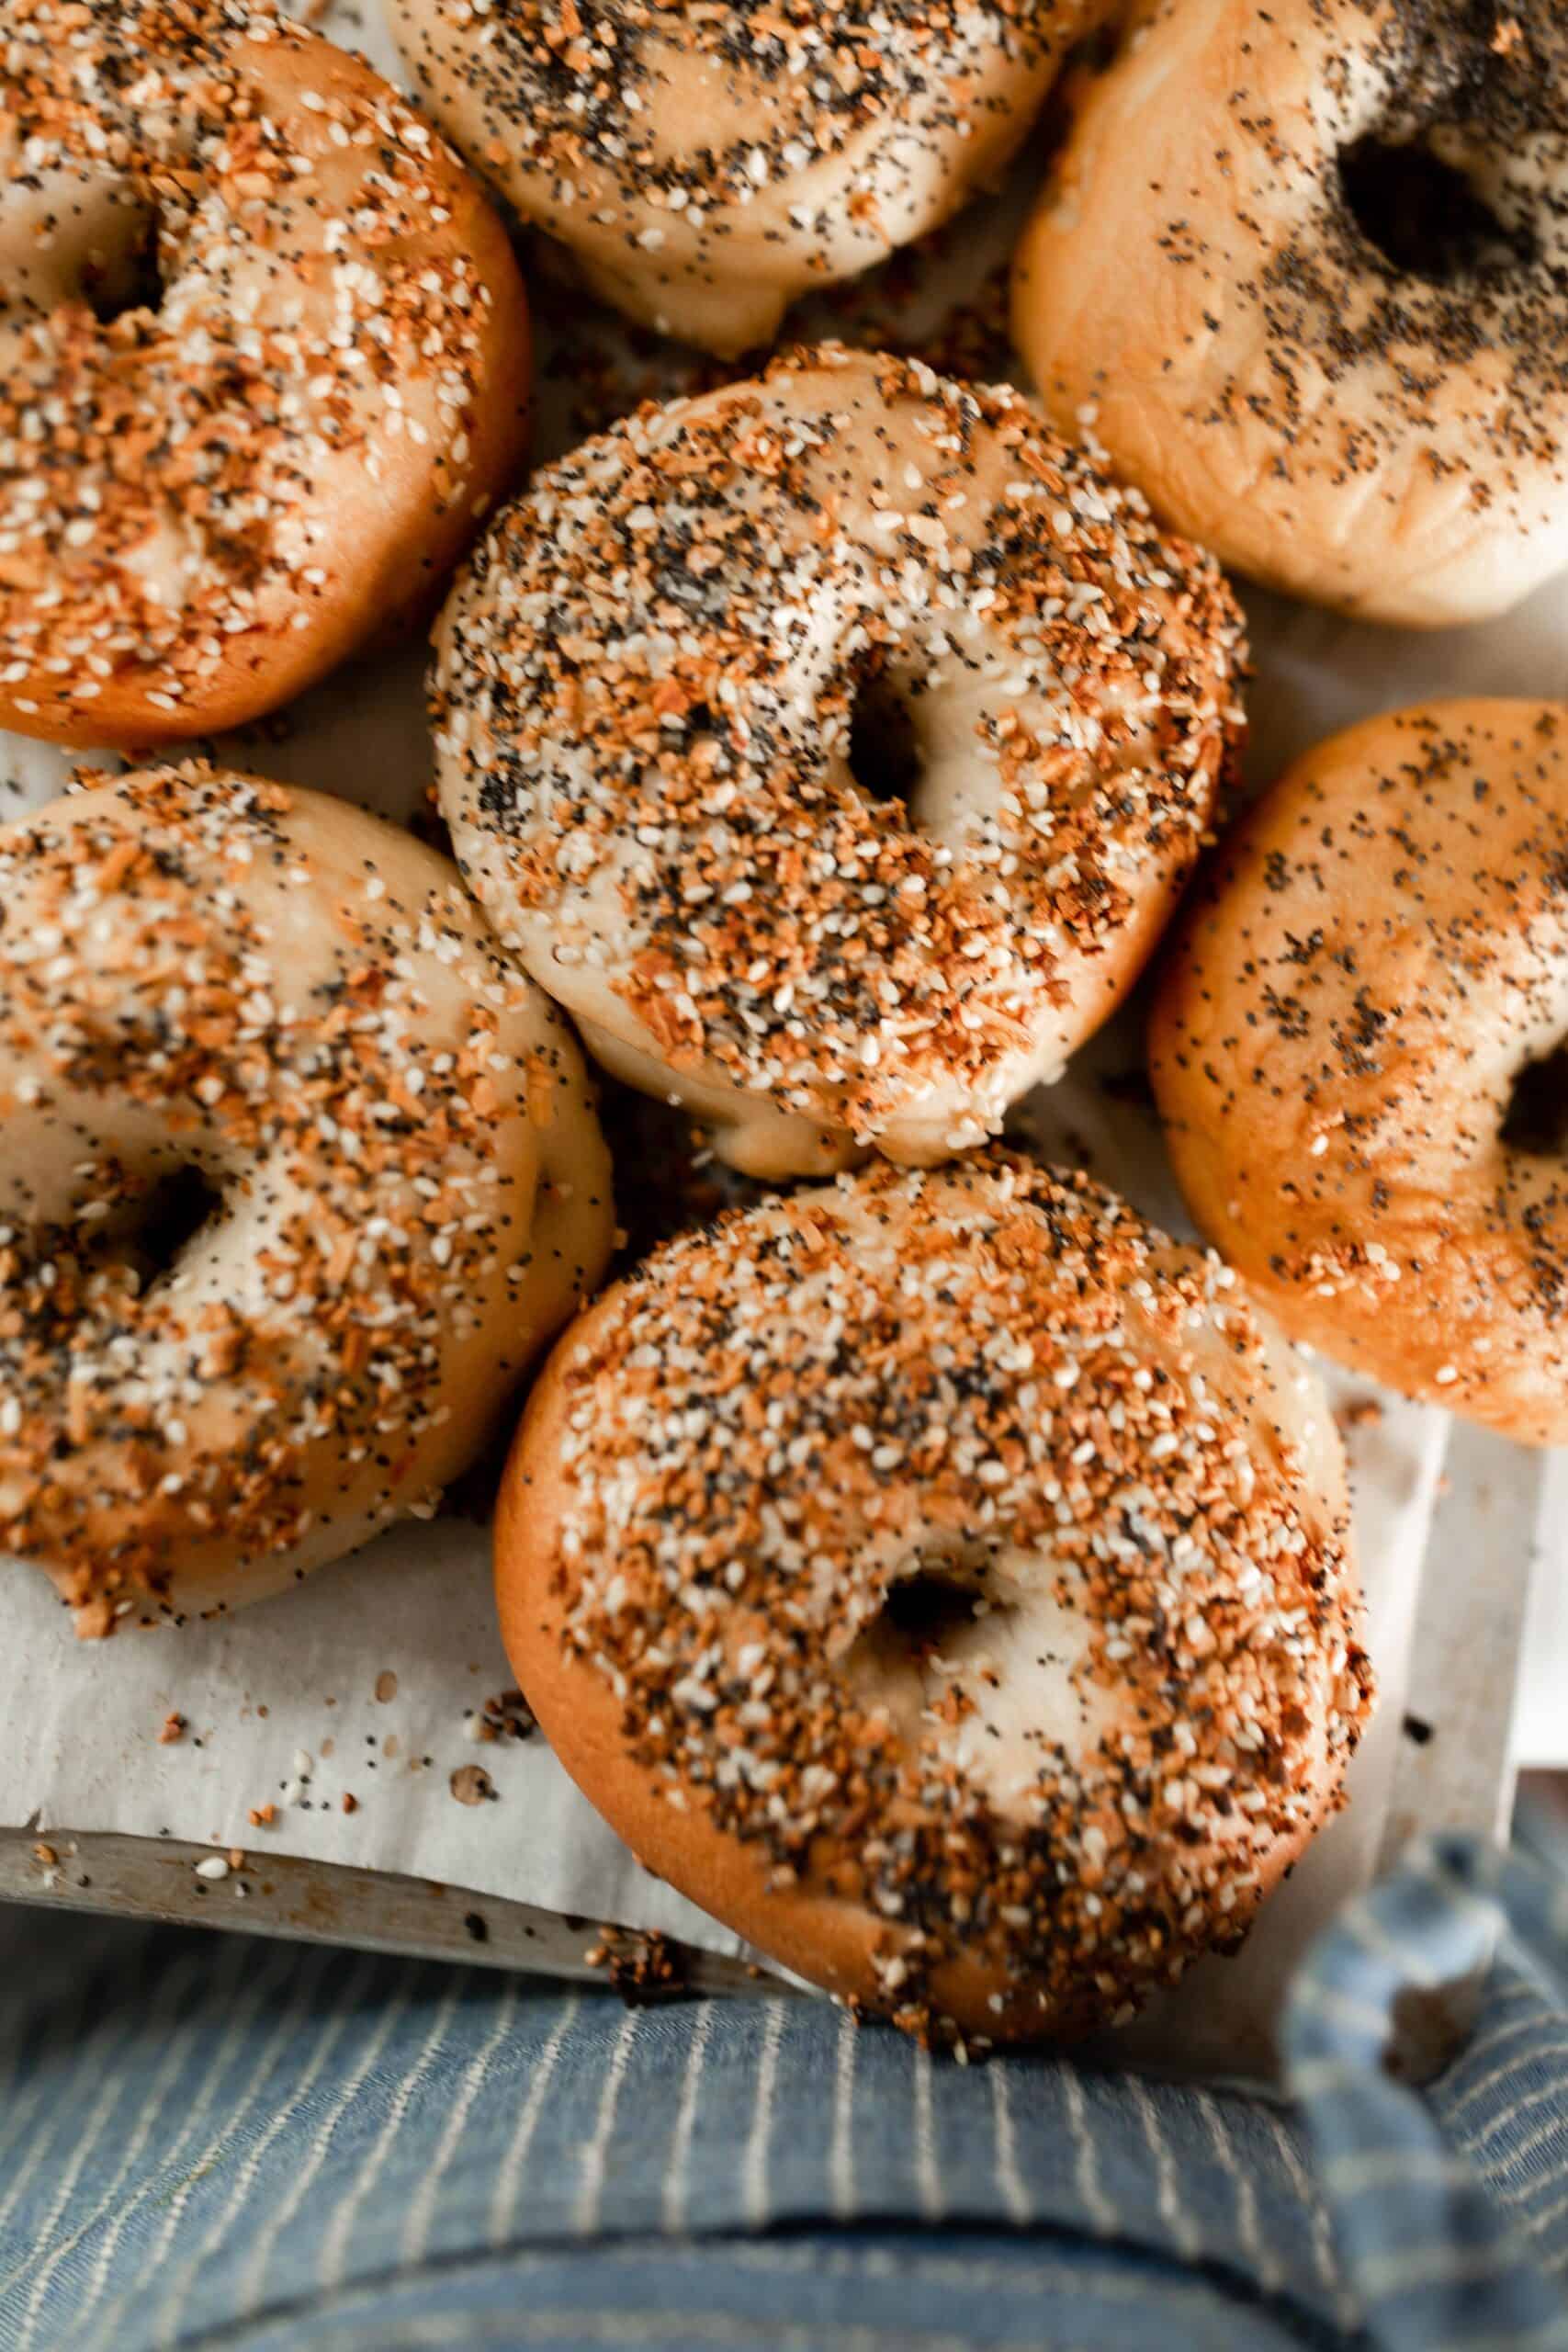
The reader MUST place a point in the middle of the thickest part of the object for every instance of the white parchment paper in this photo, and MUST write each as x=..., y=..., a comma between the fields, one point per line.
x=365, y=1684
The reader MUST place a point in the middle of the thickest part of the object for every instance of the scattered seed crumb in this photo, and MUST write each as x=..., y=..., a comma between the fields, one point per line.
x=386, y=1688
x=174, y=1728
x=470, y=1784
x=509, y=1716
x=350, y=1804
x=1365, y=1413
x=477, y=1927
x=47, y=1855
x=214, y=1867
x=641, y=1967
x=261, y=1817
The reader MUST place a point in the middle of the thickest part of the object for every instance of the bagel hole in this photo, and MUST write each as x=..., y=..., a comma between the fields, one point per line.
x=923, y=1612
x=1423, y=215
x=130, y=279
x=885, y=752
x=938, y=1621
x=934, y=1610
x=175, y=1211
x=1536, y=1120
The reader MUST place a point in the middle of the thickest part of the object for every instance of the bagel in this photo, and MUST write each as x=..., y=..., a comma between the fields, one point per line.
x=652, y=681
x=1356, y=1047
x=263, y=364
x=945, y=1580
x=1336, y=348
x=296, y=1179
x=705, y=166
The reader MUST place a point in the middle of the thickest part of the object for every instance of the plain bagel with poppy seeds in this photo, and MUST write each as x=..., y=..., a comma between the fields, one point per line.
x=1305, y=267
x=1357, y=1047
x=263, y=364
x=834, y=746
x=945, y=1580
x=297, y=1177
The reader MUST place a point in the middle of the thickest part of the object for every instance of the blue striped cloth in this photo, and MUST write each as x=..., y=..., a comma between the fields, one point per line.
x=209, y=2143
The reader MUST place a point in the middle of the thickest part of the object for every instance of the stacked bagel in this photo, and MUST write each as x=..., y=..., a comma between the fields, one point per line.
x=939, y=1572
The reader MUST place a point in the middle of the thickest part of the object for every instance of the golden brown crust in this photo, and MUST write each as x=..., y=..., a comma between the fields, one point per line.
x=646, y=689
x=997, y=1394
x=1380, y=951
x=305, y=379
x=705, y=167
x=296, y=1179
x=1380, y=429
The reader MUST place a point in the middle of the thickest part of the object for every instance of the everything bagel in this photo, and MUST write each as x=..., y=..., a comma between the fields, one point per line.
x=263, y=364
x=296, y=1180
x=706, y=166
x=945, y=1580
x=653, y=682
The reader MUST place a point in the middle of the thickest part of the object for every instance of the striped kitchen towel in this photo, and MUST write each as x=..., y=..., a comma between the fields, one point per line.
x=209, y=2143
